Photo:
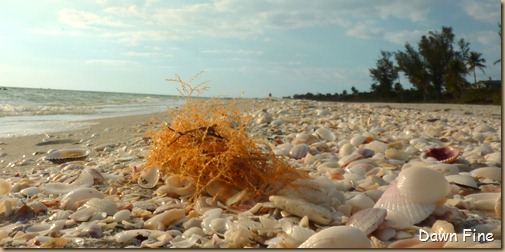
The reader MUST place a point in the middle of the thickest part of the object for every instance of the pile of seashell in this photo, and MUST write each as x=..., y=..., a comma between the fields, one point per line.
x=380, y=178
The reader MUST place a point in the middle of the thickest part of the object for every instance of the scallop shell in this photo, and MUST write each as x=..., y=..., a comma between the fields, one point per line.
x=367, y=220
x=423, y=185
x=67, y=155
x=402, y=210
x=149, y=177
x=337, y=237
x=444, y=154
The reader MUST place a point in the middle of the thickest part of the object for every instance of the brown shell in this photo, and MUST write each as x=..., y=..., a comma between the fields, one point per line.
x=444, y=154
x=67, y=155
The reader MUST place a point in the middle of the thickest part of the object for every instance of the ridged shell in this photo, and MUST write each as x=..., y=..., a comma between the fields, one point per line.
x=367, y=220
x=402, y=210
x=149, y=177
x=346, y=150
x=102, y=205
x=299, y=151
x=337, y=237
x=67, y=155
x=423, y=185
x=444, y=154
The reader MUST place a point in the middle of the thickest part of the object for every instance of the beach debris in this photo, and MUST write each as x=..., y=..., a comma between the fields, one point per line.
x=200, y=145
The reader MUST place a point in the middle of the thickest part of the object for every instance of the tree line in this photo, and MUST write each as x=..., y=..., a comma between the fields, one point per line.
x=437, y=70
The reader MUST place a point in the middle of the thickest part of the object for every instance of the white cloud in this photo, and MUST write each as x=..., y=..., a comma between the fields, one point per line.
x=401, y=37
x=486, y=11
x=414, y=10
x=239, y=52
x=84, y=20
x=136, y=37
x=111, y=63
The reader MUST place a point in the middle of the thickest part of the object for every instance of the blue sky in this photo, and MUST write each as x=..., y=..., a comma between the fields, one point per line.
x=248, y=48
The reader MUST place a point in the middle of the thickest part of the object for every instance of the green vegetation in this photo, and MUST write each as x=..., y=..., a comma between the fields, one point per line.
x=436, y=70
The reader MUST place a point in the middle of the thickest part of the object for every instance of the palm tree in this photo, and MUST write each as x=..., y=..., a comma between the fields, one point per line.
x=474, y=61
x=499, y=34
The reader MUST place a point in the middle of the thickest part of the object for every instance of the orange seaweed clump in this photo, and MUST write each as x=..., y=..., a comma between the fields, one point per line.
x=206, y=141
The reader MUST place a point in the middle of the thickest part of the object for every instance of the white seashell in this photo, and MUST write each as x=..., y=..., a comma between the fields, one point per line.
x=101, y=205
x=264, y=117
x=67, y=155
x=346, y=150
x=323, y=112
x=402, y=210
x=442, y=226
x=30, y=191
x=493, y=158
x=163, y=220
x=122, y=215
x=377, y=146
x=343, y=162
x=282, y=149
x=83, y=214
x=277, y=123
x=360, y=202
x=175, y=186
x=483, y=201
x=5, y=186
x=180, y=242
x=462, y=180
x=484, y=128
x=85, y=180
x=337, y=237
x=299, y=151
x=396, y=154
x=77, y=197
x=367, y=220
x=423, y=185
x=192, y=231
x=446, y=169
x=357, y=140
x=493, y=173
x=149, y=177
x=302, y=208
x=60, y=215
x=325, y=134
x=237, y=236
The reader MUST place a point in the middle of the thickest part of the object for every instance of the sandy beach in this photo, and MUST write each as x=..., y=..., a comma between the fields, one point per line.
x=22, y=157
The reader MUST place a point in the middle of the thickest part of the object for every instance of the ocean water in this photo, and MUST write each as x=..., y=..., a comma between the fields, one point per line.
x=28, y=111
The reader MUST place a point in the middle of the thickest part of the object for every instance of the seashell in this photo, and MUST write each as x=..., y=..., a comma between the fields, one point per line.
x=377, y=146
x=149, y=177
x=444, y=154
x=424, y=185
x=175, y=187
x=299, y=151
x=442, y=226
x=483, y=201
x=497, y=208
x=367, y=220
x=337, y=237
x=237, y=236
x=396, y=154
x=83, y=214
x=484, y=128
x=163, y=220
x=360, y=202
x=282, y=149
x=85, y=180
x=493, y=158
x=79, y=196
x=30, y=191
x=463, y=180
x=360, y=139
x=179, y=242
x=5, y=186
x=346, y=150
x=101, y=205
x=446, y=169
x=122, y=215
x=493, y=173
x=325, y=134
x=264, y=117
x=402, y=210
x=343, y=162
x=67, y=155
x=302, y=208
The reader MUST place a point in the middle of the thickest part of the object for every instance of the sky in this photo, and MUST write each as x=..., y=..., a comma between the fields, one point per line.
x=244, y=48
